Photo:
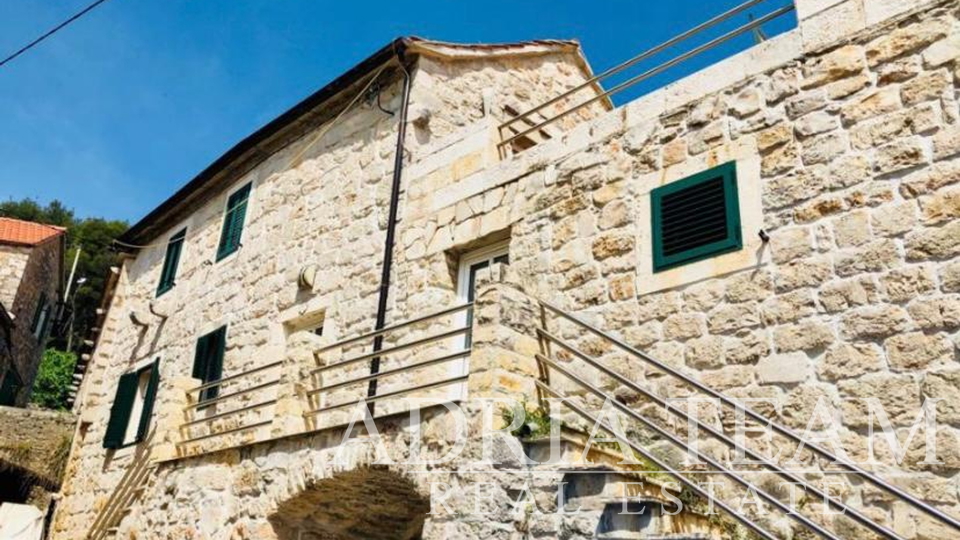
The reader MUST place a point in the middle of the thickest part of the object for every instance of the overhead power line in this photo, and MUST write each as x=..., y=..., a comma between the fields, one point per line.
x=51, y=32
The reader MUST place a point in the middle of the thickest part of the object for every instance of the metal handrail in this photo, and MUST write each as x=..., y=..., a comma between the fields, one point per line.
x=393, y=349
x=650, y=73
x=794, y=479
x=386, y=329
x=718, y=467
x=223, y=380
x=389, y=372
x=637, y=59
x=378, y=397
x=779, y=428
x=658, y=462
x=224, y=397
x=228, y=413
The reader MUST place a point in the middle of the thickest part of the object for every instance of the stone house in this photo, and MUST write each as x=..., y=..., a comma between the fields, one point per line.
x=779, y=228
x=31, y=281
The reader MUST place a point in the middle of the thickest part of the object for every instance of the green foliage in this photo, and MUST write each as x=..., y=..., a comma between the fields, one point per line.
x=53, y=379
x=95, y=236
x=536, y=421
x=54, y=213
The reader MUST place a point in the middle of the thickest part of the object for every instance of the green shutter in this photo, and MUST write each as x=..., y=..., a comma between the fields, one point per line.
x=148, y=399
x=200, y=357
x=695, y=218
x=208, y=361
x=218, y=346
x=168, y=274
x=232, y=231
x=46, y=323
x=38, y=313
x=120, y=411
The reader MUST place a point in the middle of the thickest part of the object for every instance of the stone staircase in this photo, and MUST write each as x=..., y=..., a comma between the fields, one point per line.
x=656, y=432
x=597, y=496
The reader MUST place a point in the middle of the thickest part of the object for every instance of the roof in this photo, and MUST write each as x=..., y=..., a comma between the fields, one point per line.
x=26, y=233
x=250, y=149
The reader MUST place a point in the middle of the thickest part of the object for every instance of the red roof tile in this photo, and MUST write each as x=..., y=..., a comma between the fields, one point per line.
x=26, y=233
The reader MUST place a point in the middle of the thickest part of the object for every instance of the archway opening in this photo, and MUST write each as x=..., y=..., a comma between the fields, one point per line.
x=363, y=504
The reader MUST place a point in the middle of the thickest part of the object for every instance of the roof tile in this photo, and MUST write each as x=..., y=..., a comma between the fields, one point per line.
x=26, y=233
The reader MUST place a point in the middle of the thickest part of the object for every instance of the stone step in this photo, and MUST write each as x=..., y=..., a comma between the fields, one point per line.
x=597, y=485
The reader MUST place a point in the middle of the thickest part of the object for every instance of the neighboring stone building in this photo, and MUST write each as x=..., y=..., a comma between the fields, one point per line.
x=31, y=281
x=780, y=226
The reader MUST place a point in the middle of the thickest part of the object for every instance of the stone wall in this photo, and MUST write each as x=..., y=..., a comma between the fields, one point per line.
x=13, y=259
x=34, y=439
x=34, y=446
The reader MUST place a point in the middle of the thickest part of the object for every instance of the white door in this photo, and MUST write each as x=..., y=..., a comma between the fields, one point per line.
x=470, y=264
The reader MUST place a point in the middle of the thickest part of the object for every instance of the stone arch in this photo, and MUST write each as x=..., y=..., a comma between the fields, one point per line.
x=368, y=503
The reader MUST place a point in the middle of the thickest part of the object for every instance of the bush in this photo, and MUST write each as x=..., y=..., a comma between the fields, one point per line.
x=52, y=386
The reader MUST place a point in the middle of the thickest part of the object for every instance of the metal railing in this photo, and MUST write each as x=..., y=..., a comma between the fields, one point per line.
x=200, y=404
x=433, y=339
x=548, y=363
x=534, y=120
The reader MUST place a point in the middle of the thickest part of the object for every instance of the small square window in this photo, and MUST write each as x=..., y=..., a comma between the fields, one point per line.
x=696, y=218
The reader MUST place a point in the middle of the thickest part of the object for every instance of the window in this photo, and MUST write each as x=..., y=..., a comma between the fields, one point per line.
x=696, y=218
x=133, y=407
x=168, y=275
x=41, y=317
x=233, y=222
x=10, y=388
x=208, y=361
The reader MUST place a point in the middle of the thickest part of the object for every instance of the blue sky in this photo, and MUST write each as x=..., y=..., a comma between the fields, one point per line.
x=116, y=111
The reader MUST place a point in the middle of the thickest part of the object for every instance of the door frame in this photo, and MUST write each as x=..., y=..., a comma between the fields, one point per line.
x=470, y=258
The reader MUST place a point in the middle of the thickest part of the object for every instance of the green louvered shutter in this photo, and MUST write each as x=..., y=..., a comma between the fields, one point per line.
x=208, y=361
x=696, y=218
x=200, y=358
x=169, y=273
x=233, y=222
x=218, y=345
x=41, y=305
x=148, y=399
x=120, y=411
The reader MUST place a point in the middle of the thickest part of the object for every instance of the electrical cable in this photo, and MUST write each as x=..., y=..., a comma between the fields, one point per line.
x=51, y=32
x=295, y=161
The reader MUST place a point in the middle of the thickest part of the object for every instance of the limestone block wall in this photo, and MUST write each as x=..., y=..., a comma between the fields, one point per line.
x=13, y=259
x=469, y=90
x=37, y=441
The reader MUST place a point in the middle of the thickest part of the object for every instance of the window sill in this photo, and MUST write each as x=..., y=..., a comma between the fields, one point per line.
x=226, y=255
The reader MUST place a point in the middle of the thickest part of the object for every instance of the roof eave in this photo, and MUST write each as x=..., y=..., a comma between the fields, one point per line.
x=133, y=235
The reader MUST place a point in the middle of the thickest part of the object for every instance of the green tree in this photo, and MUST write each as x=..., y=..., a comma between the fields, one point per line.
x=53, y=379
